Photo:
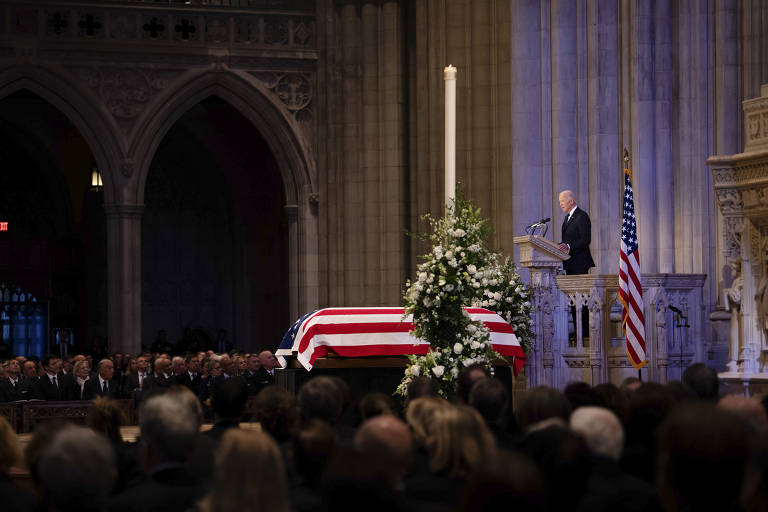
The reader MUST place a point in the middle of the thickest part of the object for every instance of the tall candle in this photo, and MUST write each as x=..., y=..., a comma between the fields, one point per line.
x=450, y=133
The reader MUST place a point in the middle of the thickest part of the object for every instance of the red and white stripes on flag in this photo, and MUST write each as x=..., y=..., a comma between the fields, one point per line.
x=630, y=285
x=358, y=332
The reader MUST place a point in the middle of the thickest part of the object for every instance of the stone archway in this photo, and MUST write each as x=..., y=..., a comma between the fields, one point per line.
x=286, y=142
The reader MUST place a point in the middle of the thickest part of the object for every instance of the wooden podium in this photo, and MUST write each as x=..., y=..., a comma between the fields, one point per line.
x=541, y=256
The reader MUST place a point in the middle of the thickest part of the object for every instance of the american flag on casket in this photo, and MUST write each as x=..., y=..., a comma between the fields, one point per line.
x=358, y=332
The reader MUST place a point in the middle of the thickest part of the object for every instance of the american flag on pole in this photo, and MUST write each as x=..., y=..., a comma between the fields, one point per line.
x=630, y=287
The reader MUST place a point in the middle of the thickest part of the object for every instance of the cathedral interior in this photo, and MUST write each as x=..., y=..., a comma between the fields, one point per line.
x=255, y=160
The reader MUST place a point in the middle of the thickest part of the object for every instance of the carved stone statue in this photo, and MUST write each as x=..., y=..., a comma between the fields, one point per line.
x=732, y=302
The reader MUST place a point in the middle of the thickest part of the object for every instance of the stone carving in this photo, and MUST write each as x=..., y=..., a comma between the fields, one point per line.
x=126, y=168
x=185, y=29
x=216, y=30
x=732, y=234
x=276, y=31
x=91, y=25
x=155, y=27
x=57, y=23
x=730, y=200
x=125, y=92
x=753, y=122
x=122, y=26
x=732, y=303
x=294, y=90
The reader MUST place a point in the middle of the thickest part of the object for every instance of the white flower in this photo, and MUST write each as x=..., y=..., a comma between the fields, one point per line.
x=491, y=302
x=449, y=254
x=468, y=361
x=422, y=276
x=471, y=328
x=454, y=372
x=474, y=248
x=458, y=347
x=475, y=344
x=484, y=303
x=496, y=296
x=438, y=370
x=415, y=370
x=448, y=287
x=471, y=269
x=493, y=282
x=427, y=302
x=430, y=279
x=452, y=262
x=459, y=232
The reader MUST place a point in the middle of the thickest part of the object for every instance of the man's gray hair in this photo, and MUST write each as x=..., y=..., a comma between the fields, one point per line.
x=102, y=363
x=601, y=429
x=169, y=427
x=77, y=470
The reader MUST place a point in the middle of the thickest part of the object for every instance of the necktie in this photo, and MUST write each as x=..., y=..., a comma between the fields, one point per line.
x=55, y=382
x=106, y=387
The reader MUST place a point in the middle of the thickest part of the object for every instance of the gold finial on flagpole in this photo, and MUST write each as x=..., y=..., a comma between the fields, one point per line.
x=626, y=158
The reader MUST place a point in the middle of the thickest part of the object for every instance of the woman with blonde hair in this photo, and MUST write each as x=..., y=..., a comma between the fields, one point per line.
x=249, y=472
x=14, y=498
x=458, y=441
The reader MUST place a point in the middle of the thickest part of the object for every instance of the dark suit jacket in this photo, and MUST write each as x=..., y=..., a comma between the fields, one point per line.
x=168, y=490
x=577, y=233
x=185, y=380
x=48, y=391
x=71, y=388
x=265, y=378
x=24, y=390
x=92, y=389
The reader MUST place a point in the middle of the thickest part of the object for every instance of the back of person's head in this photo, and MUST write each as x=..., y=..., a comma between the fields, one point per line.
x=44, y=433
x=388, y=440
x=468, y=377
x=168, y=429
x=508, y=479
x=701, y=458
x=490, y=398
x=375, y=404
x=648, y=407
x=681, y=392
x=321, y=398
x=276, y=412
x=458, y=441
x=749, y=409
x=77, y=470
x=580, y=394
x=421, y=387
x=189, y=400
x=418, y=415
x=564, y=460
x=615, y=399
x=703, y=380
x=10, y=451
x=229, y=399
x=315, y=444
x=542, y=403
x=601, y=429
x=105, y=417
x=249, y=472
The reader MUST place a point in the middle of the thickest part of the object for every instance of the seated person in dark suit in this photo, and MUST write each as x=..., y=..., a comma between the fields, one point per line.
x=49, y=385
x=160, y=377
x=251, y=374
x=14, y=387
x=102, y=385
x=189, y=376
x=168, y=430
x=268, y=364
x=135, y=381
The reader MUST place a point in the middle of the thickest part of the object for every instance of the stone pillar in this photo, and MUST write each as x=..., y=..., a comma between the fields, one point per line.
x=124, y=276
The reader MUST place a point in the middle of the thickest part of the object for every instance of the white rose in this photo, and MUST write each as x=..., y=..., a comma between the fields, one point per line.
x=459, y=232
x=484, y=303
x=415, y=370
x=449, y=254
x=475, y=344
x=497, y=296
x=475, y=284
x=438, y=371
x=427, y=302
x=474, y=248
x=448, y=287
x=458, y=347
x=471, y=328
x=468, y=361
x=422, y=276
x=454, y=372
x=493, y=282
x=491, y=302
x=453, y=263
x=471, y=269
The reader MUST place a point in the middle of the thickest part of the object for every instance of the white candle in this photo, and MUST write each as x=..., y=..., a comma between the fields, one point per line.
x=450, y=133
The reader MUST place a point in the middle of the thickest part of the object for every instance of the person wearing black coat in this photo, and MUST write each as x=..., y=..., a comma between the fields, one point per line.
x=576, y=235
x=102, y=384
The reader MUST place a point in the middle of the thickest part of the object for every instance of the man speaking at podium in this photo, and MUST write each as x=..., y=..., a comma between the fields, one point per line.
x=576, y=235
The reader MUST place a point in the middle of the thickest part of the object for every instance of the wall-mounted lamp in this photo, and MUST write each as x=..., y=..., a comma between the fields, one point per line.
x=96, y=184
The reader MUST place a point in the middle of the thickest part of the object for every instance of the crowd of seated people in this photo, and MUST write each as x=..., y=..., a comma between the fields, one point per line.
x=81, y=377
x=638, y=447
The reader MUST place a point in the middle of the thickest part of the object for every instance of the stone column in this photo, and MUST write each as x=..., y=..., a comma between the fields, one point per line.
x=124, y=276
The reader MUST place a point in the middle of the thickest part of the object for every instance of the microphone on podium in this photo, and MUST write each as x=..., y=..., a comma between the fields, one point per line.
x=531, y=228
x=538, y=223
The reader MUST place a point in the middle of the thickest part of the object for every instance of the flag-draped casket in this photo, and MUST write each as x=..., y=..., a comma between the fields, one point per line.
x=379, y=331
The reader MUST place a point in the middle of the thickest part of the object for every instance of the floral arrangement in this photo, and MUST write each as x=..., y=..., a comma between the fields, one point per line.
x=460, y=271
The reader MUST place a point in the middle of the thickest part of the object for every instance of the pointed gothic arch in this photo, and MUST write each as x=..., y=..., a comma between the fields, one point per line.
x=284, y=139
x=79, y=106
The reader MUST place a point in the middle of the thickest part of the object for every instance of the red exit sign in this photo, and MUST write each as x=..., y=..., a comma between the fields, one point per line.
x=3, y=226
